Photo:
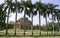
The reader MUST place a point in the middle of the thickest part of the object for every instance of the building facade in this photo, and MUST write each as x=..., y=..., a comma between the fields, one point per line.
x=23, y=23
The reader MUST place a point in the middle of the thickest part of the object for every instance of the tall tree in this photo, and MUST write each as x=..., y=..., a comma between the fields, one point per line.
x=45, y=8
x=57, y=16
x=58, y=19
x=25, y=8
x=30, y=11
x=15, y=18
x=52, y=10
x=39, y=8
x=8, y=5
x=16, y=7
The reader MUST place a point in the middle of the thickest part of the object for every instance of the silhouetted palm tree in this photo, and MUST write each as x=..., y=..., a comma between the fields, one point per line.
x=25, y=9
x=30, y=11
x=39, y=8
x=52, y=12
x=57, y=16
x=16, y=8
x=8, y=3
x=45, y=9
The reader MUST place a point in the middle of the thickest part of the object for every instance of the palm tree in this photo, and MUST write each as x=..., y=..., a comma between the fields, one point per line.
x=16, y=7
x=31, y=12
x=25, y=8
x=45, y=9
x=57, y=16
x=8, y=3
x=52, y=12
x=15, y=18
x=39, y=8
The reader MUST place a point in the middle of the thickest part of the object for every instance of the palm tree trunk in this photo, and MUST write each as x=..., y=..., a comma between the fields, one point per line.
x=15, y=19
x=7, y=22
x=58, y=23
x=15, y=23
x=39, y=23
x=32, y=23
x=24, y=25
x=4, y=17
x=46, y=24
x=53, y=25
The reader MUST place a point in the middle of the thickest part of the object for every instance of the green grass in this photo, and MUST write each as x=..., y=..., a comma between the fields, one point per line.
x=21, y=31
x=28, y=35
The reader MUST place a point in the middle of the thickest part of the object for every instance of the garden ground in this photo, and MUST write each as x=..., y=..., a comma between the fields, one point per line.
x=28, y=34
x=29, y=37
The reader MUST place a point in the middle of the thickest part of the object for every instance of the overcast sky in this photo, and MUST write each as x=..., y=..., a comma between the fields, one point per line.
x=35, y=19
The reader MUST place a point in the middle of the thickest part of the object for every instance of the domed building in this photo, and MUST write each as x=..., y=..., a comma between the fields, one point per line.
x=20, y=23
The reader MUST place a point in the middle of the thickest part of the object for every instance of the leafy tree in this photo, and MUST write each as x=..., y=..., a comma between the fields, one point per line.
x=2, y=17
x=10, y=26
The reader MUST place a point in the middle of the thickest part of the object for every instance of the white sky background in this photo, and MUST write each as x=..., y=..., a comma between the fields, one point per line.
x=35, y=19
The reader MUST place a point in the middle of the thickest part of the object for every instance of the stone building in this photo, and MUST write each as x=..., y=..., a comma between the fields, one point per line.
x=20, y=23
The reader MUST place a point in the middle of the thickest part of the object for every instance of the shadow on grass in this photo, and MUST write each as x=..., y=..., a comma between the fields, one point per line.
x=28, y=35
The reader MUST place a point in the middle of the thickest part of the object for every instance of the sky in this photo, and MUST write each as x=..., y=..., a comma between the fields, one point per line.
x=35, y=18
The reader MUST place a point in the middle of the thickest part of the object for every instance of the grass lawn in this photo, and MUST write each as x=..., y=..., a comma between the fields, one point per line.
x=20, y=34
x=21, y=31
x=30, y=37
